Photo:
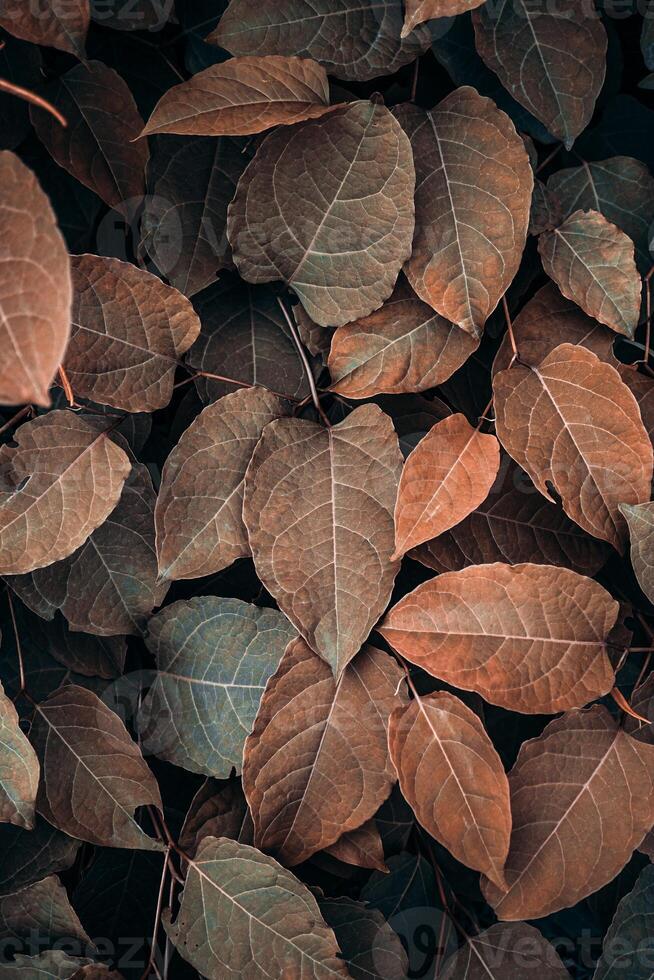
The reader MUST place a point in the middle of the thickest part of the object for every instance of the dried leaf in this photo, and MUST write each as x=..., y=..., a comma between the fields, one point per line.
x=213, y=659
x=96, y=146
x=19, y=769
x=474, y=185
x=318, y=507
x=243, y=96
x=571, y=422
x=436, y=741
x=199, y=512
x=63, y=478
x=35, y=289
x=627, y=944
x=592, y=263
x=552, y=60
x=418, y=11
x=310, y=210
x=582, y=798
x=336, y=770
x=316, y=29
x=217, y=812
x=243, y=914
x=640, y=519
x=129, y=332
x=93, y=774
x=448, y=474
x=530, y=638
x=371, y=949
x=41, y=911
x=362, y=847
x=59, y=23
x=402, y=347
x=505, y=952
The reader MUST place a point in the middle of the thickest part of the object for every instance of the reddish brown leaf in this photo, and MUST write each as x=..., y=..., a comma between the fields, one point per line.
x=530, y=638
x=447, y=476
x=474, y=185
x=217, y=812
x=572, y=422
x=59, y=23
x=418, y=11
x=582, y=798
x=318, y=508
x=453, y=779
x=35, y=289
x=362, y=847
x=129, y=332
x=19, y=769
x=335, y=770
x=505, y=952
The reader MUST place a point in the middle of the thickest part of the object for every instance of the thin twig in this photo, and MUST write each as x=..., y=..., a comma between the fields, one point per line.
x=549, y=158
x=648, y=314
x=228, y=381
x=19, y=649
x=509, y=327
x=66, y=385
x=414, y=79
x=290, y=323
x=157, y=921
x=24, y=93
x=21, y=413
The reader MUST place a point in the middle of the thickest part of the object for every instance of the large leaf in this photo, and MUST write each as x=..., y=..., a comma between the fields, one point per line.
x=505, y=952
x=244, y=915
x=199, y=512
x=319, y=512
x=371, y=949
x=97, y=146
x=474, y=185
x=59, y=23
x=592, y=263
x=310, y=210
x=19, y=769
x=640, y=519
x=571, y=421
x=35, y=288
x=184, y=223
x=552, y=60
x=93, y=774
x=27, y=856
x=243, y=96
x=129, y=332
x=531, y=638
x=317, y=765
x=402, y=347
x=213, y=659
x=63, y=479
x=627, y=947
x=316, y=29
x=42, y=912
x=453, y=779
x=418, y=11
x=582, y=798
x=447, y=476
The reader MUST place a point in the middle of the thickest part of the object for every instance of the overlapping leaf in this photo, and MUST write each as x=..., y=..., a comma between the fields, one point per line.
x=43, y=911
x=53, y=964
x=59, y=24
x=28, y=856
x=418, y=11
x=19, y=769
x=371, y=949
x=628, y=939
x=640, y=518
x=500, y=953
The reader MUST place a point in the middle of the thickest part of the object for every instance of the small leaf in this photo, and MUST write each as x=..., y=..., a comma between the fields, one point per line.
x=35, y=288
x=242, y=913
x=530, y=638
x=418, y=11
x=371, y=949
x=129, y=332
x=582, y=798
x=27, y=856
x=217, y=811
x=19, y=769
x=474, y=185
x=318, y=507
x=213, y=659
x=453, y=779
x=93, y=774
x=571, y=422
x=627, y=944
x=553, y=61
x=640, y=518
x=64, y=479
x=53, y=964
x=243, y=96
x=503, y=952
x=362, y=847
x=310, y=210
x=61, y=24
x=592, y=263
x=448, y=474
x=199, y=512
x=335, y=770
x=41, y=911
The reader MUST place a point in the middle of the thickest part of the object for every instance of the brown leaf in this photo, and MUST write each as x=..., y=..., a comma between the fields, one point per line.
x=42, y=911
x=97, y=146
x=335, y=770
x=362, y=847
x=582, y=798
x=505, y=952
x=243, y=96
x=317, y=29
x=35, y=288
x=217, y=812
x=474, y=185
x=199, y=512
x=93, y=774
x=448, y=474
x=129, y=332
x=572, y=422
x=371, y=949
x=592, y=263
x=19, y=769
x=402, y=347
x=310, y=210
x=530, y=638
x=318, y=508
x=418, y=11
x=640, y=519
x=61, y=480
x=551, y=60
x=59, y=23
x=453, y=779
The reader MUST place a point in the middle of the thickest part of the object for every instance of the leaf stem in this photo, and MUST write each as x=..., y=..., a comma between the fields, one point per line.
x=21, y=413
x=305, y=363
x=509, y=327
x=24, y=93
x=150, y=965
x=19, y=649
x=66, y=385
x=548, y=159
